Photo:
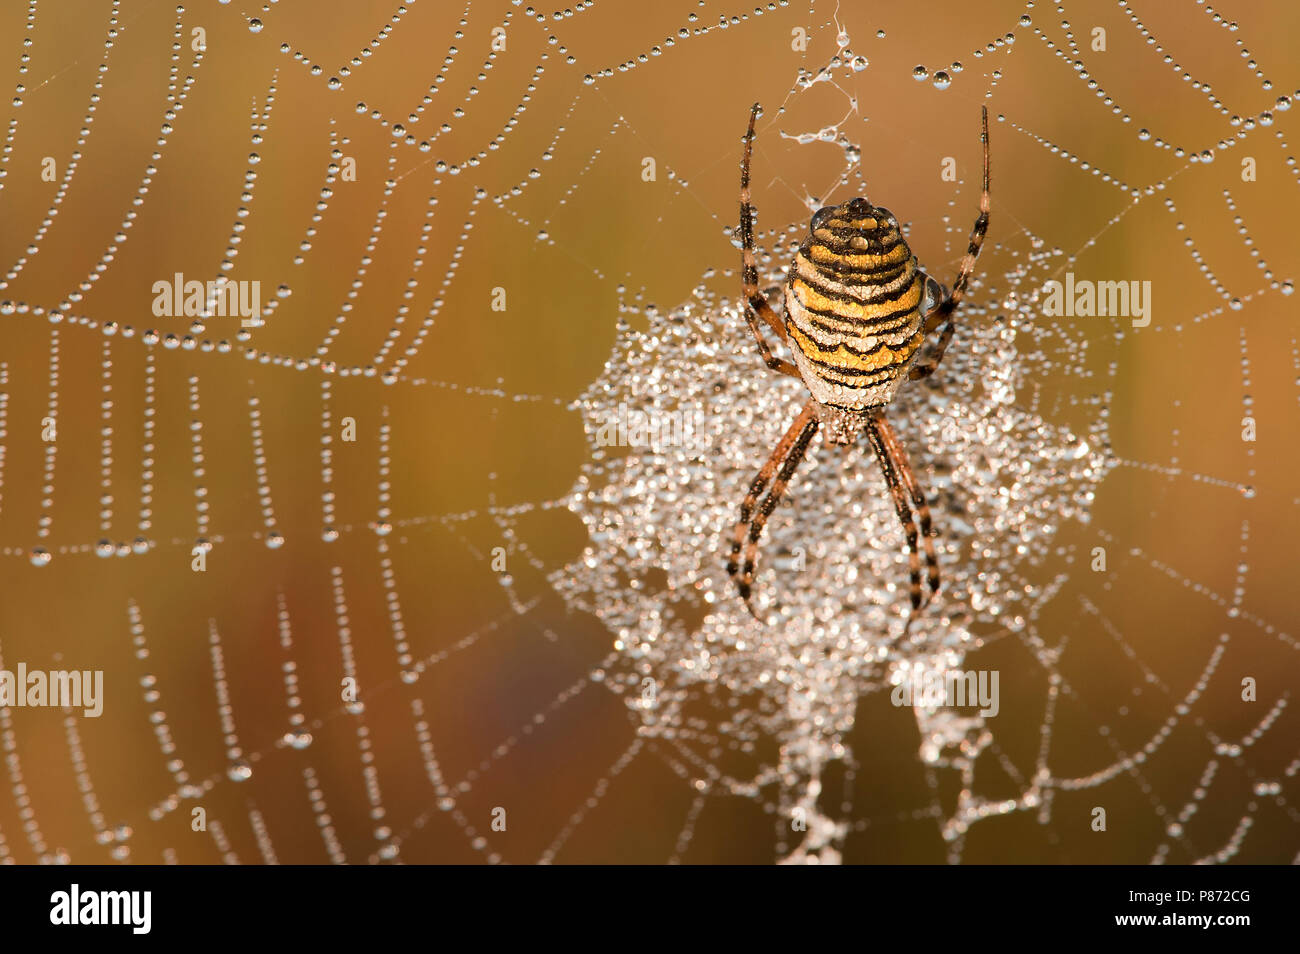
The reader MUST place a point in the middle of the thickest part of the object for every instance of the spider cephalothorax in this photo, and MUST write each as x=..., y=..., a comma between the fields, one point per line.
x=857, y=311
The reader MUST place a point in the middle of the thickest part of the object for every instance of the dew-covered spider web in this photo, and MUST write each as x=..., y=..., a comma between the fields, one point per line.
x=423, y=559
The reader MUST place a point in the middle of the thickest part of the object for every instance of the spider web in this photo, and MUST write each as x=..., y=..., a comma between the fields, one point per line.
x=540, y=627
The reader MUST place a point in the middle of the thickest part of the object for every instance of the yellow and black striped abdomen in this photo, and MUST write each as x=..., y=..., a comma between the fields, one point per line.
x=853, y=306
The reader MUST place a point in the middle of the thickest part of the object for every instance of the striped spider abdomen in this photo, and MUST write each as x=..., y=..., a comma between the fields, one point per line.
x=853, y=307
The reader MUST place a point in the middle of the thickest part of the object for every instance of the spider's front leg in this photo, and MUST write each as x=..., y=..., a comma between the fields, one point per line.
x=785, y=458
x=756, y=305
x=902, y=486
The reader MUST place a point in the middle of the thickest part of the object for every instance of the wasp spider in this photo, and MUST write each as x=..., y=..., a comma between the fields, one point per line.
x=857, y=311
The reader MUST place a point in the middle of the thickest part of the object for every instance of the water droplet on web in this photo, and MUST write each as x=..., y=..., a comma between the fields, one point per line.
x=942, y=80
x=254, y=25
x=40, y=556
x=920, y=73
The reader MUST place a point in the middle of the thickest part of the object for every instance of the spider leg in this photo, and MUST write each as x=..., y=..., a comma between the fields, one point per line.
x=755, y=304
x=942, y=314
x=783, y=461
x=935, y=293
x=903, y=467
x=881, y=447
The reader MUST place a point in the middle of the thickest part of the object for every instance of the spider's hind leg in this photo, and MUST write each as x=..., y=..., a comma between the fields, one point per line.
x=756, y=305
x=936, y=293
x=785, y=458
x=943, y=311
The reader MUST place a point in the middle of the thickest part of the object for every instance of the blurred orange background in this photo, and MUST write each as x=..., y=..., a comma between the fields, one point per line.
x=479, y=427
